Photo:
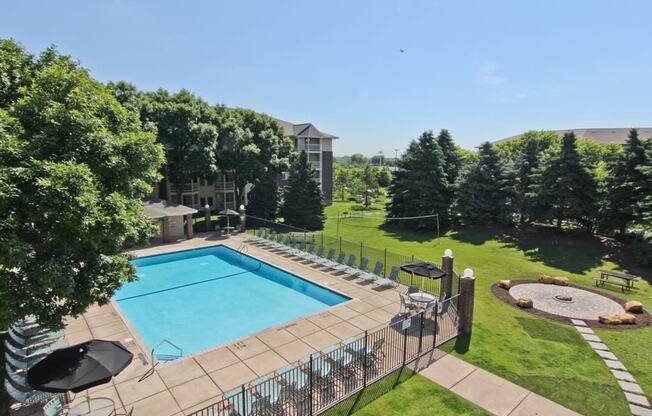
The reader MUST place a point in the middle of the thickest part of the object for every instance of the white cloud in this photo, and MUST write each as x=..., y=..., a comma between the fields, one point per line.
x=489, y=74
x=491, y=77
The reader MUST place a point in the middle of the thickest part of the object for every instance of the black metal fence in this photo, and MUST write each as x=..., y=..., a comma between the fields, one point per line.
x=304, y=238
x=321, y=381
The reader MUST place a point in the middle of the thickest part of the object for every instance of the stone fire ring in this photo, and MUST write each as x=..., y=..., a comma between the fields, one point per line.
x=586, y=304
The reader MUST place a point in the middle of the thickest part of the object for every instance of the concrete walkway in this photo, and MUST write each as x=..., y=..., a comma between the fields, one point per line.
x=488, y=391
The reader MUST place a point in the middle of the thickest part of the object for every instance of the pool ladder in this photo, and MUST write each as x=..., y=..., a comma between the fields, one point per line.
x=243, y=248
x=156, y=359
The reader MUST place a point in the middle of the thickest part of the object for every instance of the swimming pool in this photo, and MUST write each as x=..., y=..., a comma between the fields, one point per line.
x=197, y=299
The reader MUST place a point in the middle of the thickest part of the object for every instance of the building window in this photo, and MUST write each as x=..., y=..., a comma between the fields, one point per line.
x=202, y=202
x=210, y=201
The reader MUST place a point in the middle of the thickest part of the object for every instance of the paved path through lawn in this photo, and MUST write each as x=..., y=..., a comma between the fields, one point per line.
x=492, y=393
x=638, y=402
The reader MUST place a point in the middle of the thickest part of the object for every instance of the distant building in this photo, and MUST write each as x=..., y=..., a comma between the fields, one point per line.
x=600, y=135
x=220, y=193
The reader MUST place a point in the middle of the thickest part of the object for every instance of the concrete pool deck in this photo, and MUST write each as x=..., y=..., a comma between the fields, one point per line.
x=189, y=384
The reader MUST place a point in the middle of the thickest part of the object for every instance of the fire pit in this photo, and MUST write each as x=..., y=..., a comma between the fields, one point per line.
x=563, y=298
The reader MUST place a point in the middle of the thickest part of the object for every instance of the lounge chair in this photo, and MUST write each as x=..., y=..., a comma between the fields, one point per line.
x=333, y=264
x=29, y=331
x=318, y=255
x=375, y=275
x=345, y=267
x=234, y=397
x=362, y=267
x=22, y=365
x=18, y=379
x=283, y=242
x=297, y=250
x=391, y=280
x=257, y=236
x=28, y=355
x=25, y=397
x=26, y=342
x=328, y=259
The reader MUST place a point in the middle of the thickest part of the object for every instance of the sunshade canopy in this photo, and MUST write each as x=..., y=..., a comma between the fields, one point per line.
x=79, y=367
x=228, y=212
x=423, y=268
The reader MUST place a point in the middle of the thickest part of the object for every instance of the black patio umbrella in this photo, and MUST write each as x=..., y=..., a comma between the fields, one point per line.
x=79, y=367
x=423, y=269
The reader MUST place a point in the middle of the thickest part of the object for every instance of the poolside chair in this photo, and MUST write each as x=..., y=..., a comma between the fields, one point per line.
x=362, y=267
x=28, y=355
x=297, y=250
x=25, y=397
x=18, y=380
x=53, y=408
x=22, y=365
x=256, y=236
x=375, y=274
x=407, y=304
x=318, y=255
x=329, y=257
x=27, y=331
x=26, y=342
x=234, y=397
x=333, y=264
x=391, y=280
x=412, y=289
x=345, y=267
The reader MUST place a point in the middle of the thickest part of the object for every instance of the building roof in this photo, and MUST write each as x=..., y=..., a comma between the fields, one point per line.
x=601, y=135
x=303, y=130
x=161, y=208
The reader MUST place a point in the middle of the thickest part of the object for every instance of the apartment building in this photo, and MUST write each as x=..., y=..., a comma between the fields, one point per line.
x=219, y=194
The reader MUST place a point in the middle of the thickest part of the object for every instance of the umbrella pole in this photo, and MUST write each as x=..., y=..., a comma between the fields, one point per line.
x=228, y=230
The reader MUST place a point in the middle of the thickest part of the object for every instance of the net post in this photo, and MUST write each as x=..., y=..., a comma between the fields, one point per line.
x=385, y=264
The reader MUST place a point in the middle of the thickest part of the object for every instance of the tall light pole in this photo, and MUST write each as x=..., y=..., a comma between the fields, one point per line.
x=380, y=153
x=395, y=156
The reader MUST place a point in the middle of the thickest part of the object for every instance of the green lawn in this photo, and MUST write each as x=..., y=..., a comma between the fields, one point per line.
x=546, y=357
x=404, y=393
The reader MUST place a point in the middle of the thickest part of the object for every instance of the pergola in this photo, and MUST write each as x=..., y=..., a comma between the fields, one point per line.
x=171, y=217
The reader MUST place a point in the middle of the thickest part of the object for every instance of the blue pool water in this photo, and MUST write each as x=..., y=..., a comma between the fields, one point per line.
x=201, y=298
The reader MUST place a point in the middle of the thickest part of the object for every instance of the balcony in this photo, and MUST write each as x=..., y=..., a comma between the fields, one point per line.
x=316, y=164
x=225, y=186
x=188, y=188
x=313, y=147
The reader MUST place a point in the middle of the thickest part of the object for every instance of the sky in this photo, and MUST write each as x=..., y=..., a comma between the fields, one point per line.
x=484, y=70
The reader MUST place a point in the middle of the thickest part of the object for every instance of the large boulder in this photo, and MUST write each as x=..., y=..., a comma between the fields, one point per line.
x=633, y=306
x=545, y=279
x=524, y=303
x=560, y=281
x=626, y=318
x=610, y=320
x=505, y=284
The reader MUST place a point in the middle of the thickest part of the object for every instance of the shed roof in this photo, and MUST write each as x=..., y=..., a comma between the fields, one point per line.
x=161, y=208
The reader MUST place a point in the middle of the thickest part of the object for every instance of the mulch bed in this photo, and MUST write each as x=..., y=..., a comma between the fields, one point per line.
x=642, y=319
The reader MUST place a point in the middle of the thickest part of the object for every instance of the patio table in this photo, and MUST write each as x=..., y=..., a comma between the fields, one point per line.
x=99, y=406
x=422, y=297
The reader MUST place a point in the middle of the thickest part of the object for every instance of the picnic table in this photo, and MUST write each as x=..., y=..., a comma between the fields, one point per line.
x=626, y=281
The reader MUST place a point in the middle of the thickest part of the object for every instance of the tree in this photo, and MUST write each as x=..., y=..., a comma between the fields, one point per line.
x=452, y=162
x=384, y=177
x=303, y=202
x=264, y=198
x=377, y=160
x=358, y=159
x=483, y=194
x=420, y=186
x=74, y=165
x=623, y=184
x=368, y=185
x=644, y=204
x=16, y=71
x=341, y=179
x=523, y=177
x=565, y=188
x=188, y=128
x=252, y=146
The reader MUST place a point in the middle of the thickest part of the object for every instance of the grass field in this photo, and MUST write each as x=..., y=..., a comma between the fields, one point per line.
x=546, y=357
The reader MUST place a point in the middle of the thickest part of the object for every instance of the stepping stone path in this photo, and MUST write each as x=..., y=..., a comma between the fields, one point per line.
x=638, y=402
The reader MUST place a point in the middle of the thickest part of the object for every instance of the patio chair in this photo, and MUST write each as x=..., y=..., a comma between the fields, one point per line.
x=339, y=261
x=318, y=255
x=19, y=380
x=22, y=365
x=256, y=236
x=29, y=331
x=362, y=267
x=53, y=408
x=345, y=267
x=297, y=250
x=329, y=257
x=407, y=304
x=26, y=342
x=374, y=275
x=412, y=289
x=25, y=397
x=28, y=355
x=234, y=397
x=391, y=280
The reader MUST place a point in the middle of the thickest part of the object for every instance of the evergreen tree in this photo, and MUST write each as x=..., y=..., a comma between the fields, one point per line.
x=420, y=185
x=264, y=199
x=566, y=189
x=452, y=160
x=303, y=202
x=644, y=204
x=624, y=184
x=523, y=177
x=483, y=194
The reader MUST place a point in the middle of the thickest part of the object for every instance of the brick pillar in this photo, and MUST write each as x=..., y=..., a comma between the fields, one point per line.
x=166, y=229
x=447, y=267
x=467, y=294
x=189, y=231
x=207, y=217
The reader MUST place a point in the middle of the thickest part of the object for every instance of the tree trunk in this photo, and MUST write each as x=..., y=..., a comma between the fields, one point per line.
x=559, y=224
